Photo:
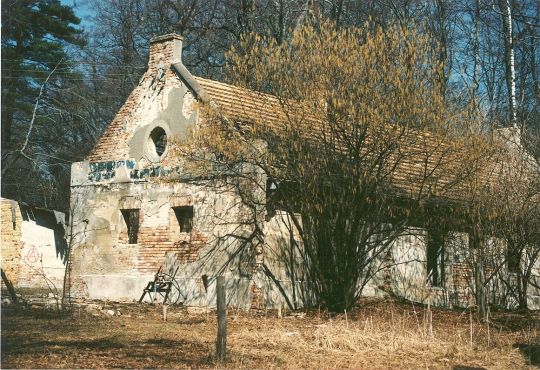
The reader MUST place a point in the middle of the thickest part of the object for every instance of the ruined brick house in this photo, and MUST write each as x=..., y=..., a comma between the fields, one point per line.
x=34, y=248
x=128, y=220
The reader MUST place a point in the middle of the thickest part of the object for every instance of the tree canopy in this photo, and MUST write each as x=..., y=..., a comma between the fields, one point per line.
x=467, y=37
x=34, y=36
x=35, y=68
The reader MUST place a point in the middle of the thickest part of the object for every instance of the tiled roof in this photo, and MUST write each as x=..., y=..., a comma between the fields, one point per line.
x=428, y=164
x=243, y=104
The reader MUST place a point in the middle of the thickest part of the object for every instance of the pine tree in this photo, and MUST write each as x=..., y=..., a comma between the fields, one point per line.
x=34, y=36
x=36, y=73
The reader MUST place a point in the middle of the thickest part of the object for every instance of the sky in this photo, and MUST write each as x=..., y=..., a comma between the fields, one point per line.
x=82, y=10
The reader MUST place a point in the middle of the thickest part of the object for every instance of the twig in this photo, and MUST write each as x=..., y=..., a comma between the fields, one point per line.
x=471, y=327
x=416, y=316
x=20, y=152
x=487, y=324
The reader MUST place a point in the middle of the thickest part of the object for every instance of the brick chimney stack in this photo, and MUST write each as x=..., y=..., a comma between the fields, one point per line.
x=165, y=61
x=164, y=51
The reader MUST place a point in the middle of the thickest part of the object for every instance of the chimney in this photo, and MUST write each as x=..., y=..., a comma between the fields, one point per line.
x=164, y=51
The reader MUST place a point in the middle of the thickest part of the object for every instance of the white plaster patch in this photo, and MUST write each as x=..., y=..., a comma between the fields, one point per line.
x=34, y=234
x=187, y=107
x=39, y=254
x=156, y=213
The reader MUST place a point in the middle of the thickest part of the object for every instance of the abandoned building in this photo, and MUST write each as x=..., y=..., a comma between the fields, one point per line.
x=34, y=247
x=129, y=221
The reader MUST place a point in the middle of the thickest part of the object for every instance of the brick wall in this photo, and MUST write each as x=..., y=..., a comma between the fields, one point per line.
x=154, y=242
x=462, y=275
x=113, y=145
x=11, y=237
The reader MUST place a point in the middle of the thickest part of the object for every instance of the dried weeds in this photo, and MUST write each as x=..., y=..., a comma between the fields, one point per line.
x=379, y=335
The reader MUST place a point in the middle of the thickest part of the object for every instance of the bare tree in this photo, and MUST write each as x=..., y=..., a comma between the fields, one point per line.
x=509, y=59
x=352, y=145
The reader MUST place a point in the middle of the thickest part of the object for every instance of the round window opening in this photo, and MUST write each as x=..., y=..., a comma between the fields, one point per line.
x=158, y=140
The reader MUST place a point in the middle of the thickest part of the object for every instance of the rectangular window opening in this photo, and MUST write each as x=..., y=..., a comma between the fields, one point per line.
x=131, y=217
x=184, y=216
x=435, y=259
x=281, y=195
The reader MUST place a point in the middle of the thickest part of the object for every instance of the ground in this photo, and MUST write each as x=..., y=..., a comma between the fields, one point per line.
x=380, y=334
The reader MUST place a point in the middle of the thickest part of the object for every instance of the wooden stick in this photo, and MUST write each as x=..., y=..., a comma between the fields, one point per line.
x=429, y=318
x=9, y=287
x=471, y=326
x=416, y=316
x=164, y=312
x=221, y=341
x=487, y=324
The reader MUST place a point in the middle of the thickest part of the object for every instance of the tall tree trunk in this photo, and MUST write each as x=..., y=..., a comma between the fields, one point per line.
x=7, y=123
x=477, y=245
x=534, y=62
x=523, y=282
x=480, y=287
x=442, y=10
x=476, y=57
x=504, y=6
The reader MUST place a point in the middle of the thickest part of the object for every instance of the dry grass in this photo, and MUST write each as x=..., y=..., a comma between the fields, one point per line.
x=381, y=334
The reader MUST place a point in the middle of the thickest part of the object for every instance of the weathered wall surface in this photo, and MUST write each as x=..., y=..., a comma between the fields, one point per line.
x=33, y=246
x=157, y=100
x=106, y=266
x=125, y=172
x=11, y=236
x=533, y=299
x=283, y=261
x=410, y=275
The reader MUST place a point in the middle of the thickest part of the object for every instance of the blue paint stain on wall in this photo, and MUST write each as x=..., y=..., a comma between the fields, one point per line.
x=101, y=171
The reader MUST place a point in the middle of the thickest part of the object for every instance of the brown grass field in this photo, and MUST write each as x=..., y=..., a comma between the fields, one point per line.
x=380, y=334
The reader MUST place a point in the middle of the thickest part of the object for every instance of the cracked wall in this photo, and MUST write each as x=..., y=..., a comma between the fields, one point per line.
x=106, y=266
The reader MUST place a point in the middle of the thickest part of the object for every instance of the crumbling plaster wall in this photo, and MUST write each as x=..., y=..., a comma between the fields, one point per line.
x=286, y=283
x=32, y=255
x=533, y=300
x=409, y=271
x=160, y=98
x=106, y=266
x=402, y=270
